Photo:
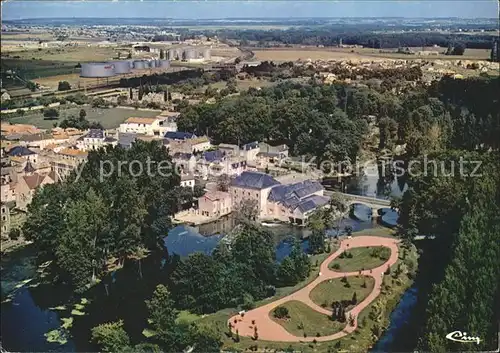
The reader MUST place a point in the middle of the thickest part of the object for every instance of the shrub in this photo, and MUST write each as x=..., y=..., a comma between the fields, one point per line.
x=280, y=312
x=388, y=271
x=248, y=302
x=14, y=233
x=336, y=266
x=63, y=86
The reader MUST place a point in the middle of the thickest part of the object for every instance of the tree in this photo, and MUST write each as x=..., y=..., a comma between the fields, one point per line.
x=354, y=299
x=162, y=316
x=50, y=113
x=99, y=102
x=316, y=242
x=111, y=337
x=198, y=191
x=82, y=114
x=281, y=312
x=223, y=182
x=63, y=86
x=14, y=233
x=247, y=210
x=32, y=86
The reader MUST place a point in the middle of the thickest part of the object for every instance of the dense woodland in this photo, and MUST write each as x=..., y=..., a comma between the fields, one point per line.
x=331, y=37
x=460, y=268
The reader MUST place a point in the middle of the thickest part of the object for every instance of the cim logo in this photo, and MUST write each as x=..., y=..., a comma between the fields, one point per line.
x=459, y=336
x=108, y=67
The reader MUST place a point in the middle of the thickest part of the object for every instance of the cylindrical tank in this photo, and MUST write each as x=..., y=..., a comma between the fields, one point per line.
x=190, y=53
x=178, y=53
x=152, y=64
x=207, y=55
x=164, y=64
x=97, y=70
x=121, y=67
x=173, y=54
x=131, y=63
x=140, y=65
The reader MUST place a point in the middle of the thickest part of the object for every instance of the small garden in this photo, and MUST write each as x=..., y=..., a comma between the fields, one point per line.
x=302, y=321
x=347, y=290
x=360, y=259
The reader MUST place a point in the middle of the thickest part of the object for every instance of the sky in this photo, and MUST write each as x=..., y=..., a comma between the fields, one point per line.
x=183, y=9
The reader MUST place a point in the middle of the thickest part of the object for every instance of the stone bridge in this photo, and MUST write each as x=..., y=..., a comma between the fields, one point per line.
x=371, y=202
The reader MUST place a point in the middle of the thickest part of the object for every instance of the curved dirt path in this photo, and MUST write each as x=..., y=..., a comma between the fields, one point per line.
x=269, y=330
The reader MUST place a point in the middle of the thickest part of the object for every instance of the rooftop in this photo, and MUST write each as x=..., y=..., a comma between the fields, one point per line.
x=292, y=194
x=147, y=121
x=254, y=180
x=312, y=202
x=212, y=156
x=19, y=151
x=73, y=152
x=33, y=181
x=179, y=135
x=8, y=128
x=216, y=195
x=250, y=146
x=95, y=134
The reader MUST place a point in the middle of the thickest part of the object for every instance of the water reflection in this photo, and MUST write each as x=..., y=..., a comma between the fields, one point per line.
x=398, y=318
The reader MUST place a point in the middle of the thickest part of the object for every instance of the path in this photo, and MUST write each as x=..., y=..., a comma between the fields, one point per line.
x=271, y=331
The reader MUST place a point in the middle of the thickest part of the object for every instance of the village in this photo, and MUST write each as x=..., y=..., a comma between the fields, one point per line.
x=225, y=176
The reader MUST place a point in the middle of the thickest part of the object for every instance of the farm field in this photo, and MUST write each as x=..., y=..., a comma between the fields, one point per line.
x=314, y=53
x=109, y=118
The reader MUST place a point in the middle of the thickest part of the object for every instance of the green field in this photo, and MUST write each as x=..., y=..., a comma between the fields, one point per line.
x=109, y=118
x=304, y=320
x=362, y=259
x=327, y=292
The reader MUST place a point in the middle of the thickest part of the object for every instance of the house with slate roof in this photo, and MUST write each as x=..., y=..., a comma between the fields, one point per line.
x=252, y=186
x=295, y=202
x=249, y=151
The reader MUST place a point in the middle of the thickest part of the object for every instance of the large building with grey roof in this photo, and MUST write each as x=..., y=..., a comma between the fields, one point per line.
x=287, y=202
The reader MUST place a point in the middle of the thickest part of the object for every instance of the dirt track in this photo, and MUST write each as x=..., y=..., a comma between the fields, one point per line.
x=271, y=331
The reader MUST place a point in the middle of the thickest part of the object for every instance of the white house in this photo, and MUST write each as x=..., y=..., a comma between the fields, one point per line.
x=94, y=140
x=187, y=180
x=158, y=126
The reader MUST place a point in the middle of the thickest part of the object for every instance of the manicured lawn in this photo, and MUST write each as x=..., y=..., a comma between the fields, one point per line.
x=302, y=319
x=362, y=258
x=109, y=118
x=327, y=292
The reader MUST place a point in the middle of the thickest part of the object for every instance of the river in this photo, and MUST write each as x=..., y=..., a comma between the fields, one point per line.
x=29, y=312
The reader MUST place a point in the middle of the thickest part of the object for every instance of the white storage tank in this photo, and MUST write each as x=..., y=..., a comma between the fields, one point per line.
x=164, y=64
x=140, y=65
x=121, y=67
x=190, y=53
x=207, y=55
x=97, y=70
x=172, y=54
